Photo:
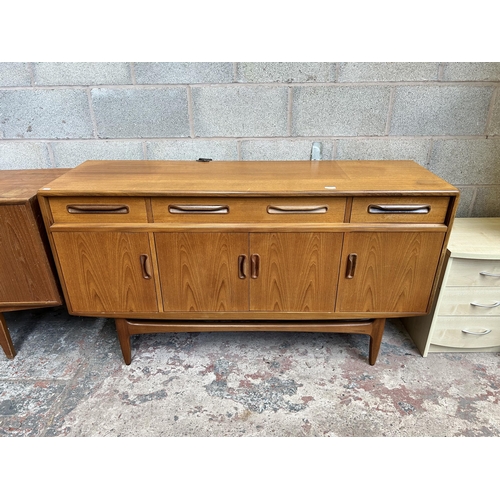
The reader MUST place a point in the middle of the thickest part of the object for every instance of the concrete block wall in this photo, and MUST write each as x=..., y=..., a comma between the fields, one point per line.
x=445, y=116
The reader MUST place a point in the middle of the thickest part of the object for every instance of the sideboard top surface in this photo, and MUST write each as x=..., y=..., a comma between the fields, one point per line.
x=250, y=178
x=19, y=186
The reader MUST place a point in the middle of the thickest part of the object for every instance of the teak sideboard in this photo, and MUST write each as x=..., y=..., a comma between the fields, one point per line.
x=314, y=246
x=27, y=274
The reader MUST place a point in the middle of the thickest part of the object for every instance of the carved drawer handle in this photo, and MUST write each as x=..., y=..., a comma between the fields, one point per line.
x=484, y=273
x=198, y=209
x=351, y=265
x=97, y=209
x=146, y=267
x=495, y=304
x=399, y=209
x=485, y=331
x=242, y=266
x=275, y=209
x=255, y=265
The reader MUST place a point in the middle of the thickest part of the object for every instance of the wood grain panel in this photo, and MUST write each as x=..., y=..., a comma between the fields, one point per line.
x=25, y=272
x=248, y=178
x=394, y=271
x=199, y=271
x=438, y=208
x=20, y=185
x=298, y=271
x=103, y=271
x=136, y=208
x=252, y=210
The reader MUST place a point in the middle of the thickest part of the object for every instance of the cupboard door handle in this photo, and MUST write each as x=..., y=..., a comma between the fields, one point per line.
x=146, y=267
x=351, y=265
x=484, y=273
x=255, y=265
x=483, y=332
x=198, y=209
x=399, y=209
x=275, y=209
x=97, y=209
x=242, y=266
x=495, y=304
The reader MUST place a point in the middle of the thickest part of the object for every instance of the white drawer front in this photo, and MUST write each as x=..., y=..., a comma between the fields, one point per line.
x=467, y=272
x=449, y=331
x=458, y=301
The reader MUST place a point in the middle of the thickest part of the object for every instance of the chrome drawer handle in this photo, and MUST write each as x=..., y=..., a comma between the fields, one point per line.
x=483, y=332
x=484, y=273
x=495, y=304
x=198, y=209
x=399, y=209
x=275, y=209
x=97, y=209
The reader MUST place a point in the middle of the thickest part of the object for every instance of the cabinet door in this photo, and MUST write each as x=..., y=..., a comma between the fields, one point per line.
x=294, y=272
x=107, y=271
x=203, y=271
x=388, y=272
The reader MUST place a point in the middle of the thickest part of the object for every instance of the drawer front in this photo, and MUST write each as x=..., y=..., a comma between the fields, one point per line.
x=249, y=210
x=106, y=209
x=419, y=209
x=473, y=301
x=450, y=331
x=474, y=272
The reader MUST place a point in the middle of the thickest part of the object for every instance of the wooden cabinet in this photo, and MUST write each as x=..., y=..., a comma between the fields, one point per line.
x=289, y=246
x=27, y=278
x=465, y=315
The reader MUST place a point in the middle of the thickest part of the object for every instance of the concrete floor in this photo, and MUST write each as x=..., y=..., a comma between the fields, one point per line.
x=69, y=379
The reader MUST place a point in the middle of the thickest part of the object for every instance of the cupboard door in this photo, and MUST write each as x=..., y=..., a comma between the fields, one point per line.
x=107, y=271
x=203, y=271
x=294, y=272
x=388, y=272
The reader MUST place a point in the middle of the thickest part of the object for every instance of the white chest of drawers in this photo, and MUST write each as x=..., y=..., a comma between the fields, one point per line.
x=466, y=313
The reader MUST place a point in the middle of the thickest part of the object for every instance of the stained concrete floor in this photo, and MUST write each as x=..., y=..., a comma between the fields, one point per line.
x=69, y=379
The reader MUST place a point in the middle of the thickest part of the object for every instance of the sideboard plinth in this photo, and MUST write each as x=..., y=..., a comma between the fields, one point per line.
x=128, y=327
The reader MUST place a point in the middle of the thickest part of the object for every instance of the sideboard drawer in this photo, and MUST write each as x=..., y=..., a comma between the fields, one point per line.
x=450, y=331
x=474, y=272
x=249, y=210
x=420, y=209
x=473, y=301
x=104, y=209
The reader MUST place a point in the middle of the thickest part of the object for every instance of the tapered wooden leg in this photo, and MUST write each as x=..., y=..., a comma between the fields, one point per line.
x=376, y=339
x=124, y=338
x=5, y=340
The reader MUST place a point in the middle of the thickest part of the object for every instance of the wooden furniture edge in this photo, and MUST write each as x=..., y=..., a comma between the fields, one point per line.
x=374, y=328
